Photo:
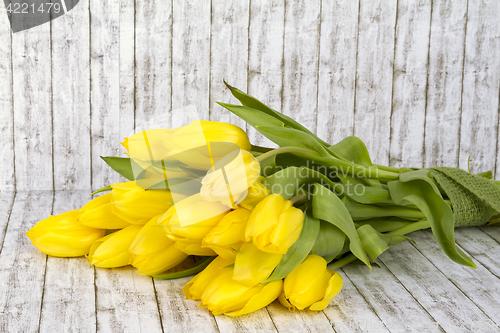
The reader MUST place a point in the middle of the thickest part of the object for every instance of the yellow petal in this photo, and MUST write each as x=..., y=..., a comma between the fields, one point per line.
x=113, y=250
x=195, y=287
x=253, y=266
x=63, y=236
x=334, y=287
x=265, y=297
x=97, y=214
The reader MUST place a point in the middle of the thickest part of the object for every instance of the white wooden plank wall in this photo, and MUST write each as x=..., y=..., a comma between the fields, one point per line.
x=419, y=81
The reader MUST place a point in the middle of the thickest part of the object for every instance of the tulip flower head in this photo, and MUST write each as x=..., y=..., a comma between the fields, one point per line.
x=256, y=193
x=152, y=252
x=189, y=220
x=252, y=266
x=137, y=205
x=229, y=234
x=203, y=143
x=274, y=224
x=311, y=285
x=228, y=182
x=97, y=213
x=63, y=236
x=113, y=250
x=221, y=294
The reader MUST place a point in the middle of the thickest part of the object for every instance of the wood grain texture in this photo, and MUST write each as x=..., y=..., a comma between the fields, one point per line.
x=304, y=321
x=127, y=70
x=337, y=69
x=481, y=86
x=6, y=203
x=390, y=300
x=31, y=59
x=258, y=321
x=265, y=58
x=125, y=301
x=190, y=60
x=228, y=56
x=409, y=83
x=449, y=307
x=300, y=61
x=479, y=285
x=68, y=293
x=179, y=314
x=22, y=266
x=71, y=99
x=7, y=174
x=153, y=59
x=377, y=20
x=350, y=312
x=105, y=89
x=444, y=91
x=482, y=248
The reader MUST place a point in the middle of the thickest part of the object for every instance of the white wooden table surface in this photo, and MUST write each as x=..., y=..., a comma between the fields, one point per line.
x=416, y=289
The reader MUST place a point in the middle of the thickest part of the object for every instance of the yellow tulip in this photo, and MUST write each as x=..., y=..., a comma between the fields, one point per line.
x=253, y=266
x=147, y=145
x=231, y=178
x=202, y=143
x=274, y=224
x=63, y=236
x=311, y=285
x=152, y=252
x=256, y=193
x=113, y=250
x=227, y=296
x=194, y=248
x=195, y=287
x=136, y=205
x=221, y=294
x=189, y=220
x=97, y=214
x=229, y=234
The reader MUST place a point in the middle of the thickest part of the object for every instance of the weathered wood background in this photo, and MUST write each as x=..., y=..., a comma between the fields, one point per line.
x=418, y=81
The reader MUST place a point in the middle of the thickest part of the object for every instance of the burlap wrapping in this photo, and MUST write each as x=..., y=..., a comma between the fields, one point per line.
x=475, y=200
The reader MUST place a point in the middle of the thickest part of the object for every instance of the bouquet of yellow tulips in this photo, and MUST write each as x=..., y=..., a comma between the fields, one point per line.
x=264, y=224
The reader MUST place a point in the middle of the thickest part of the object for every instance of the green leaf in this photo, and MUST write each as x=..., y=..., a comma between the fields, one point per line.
x=416, y=187
x=287, y=160
x=362, y=212
x=287, y=182
x=365, y=194
x=252, y=116
x=376, y=243
x=330, y=241
x=385, y=225
x=188, y=272
x=290, y=137
x=254, y=103
x=328, y=207
x=299, y=250
x=102, y=189
x=180, y=185
x=122, y=165
x=352, y=149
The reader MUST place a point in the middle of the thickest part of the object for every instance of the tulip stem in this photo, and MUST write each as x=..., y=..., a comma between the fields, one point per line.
x=284, y=150
x=298, y=197
x=415, y=226
x=188, y=272
x=342, y=262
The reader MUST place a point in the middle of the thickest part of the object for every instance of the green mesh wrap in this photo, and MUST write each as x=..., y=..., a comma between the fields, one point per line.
x=474, y=199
